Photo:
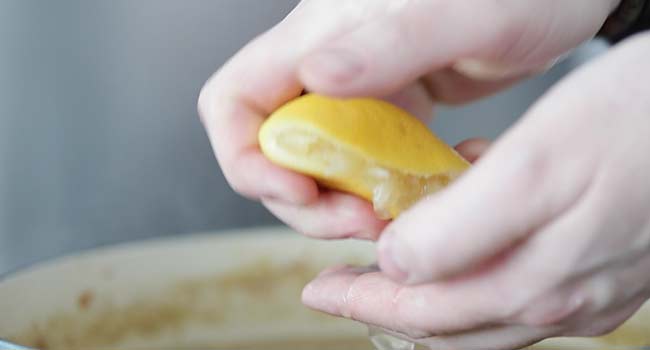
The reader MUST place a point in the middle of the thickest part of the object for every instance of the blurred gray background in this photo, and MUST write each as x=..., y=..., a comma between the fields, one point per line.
x=99, y=138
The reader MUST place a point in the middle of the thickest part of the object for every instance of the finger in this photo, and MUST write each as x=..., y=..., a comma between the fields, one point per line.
x=417, y=311
x=255, y=82
x=453, y=87
x=233, y=104
x=419, y=37
x=517, y=189
x=608, y=287
x=472, y=149
x=338, y=215
x=579, y=240
x=334, y=215
x=454, y=316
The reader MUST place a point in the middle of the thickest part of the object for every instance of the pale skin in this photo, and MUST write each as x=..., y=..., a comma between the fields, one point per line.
x=549, y=232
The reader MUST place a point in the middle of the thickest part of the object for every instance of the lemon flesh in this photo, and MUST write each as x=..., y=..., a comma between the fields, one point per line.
x=366, y=147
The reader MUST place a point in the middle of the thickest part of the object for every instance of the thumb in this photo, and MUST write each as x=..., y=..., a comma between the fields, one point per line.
x=511, y=191
x=419, y=37
x=544, y=169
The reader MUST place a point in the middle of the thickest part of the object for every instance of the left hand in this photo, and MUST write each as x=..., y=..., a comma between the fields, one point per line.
x=547, y=235
x=415, y=54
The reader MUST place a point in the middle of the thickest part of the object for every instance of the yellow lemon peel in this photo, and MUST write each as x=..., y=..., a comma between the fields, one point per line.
x=363, y=146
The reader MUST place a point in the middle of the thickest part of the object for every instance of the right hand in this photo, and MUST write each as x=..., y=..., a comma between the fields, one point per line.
x=411, y=53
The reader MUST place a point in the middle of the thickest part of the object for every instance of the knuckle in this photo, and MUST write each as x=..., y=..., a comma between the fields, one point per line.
x=556, y=309
x=352, y=307
x=203, y=100
x=201, y=108
x=357, y=303
x=209, y=95
x=237, y=182
x=239, y=187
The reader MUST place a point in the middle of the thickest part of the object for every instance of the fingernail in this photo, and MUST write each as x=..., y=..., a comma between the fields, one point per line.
x=487, y=71
x=389, y=260
x=338, y=64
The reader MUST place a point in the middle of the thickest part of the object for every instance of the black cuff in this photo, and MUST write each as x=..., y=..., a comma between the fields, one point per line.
x=631, y=17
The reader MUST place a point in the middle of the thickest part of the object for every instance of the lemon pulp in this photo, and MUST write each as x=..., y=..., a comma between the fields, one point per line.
x=390, y=190
x=363, y=146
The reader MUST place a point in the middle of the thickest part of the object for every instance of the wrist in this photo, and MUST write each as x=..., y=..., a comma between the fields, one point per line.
x=628, y=17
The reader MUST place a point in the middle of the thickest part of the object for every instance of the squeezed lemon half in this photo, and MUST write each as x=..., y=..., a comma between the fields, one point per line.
x=363, y=146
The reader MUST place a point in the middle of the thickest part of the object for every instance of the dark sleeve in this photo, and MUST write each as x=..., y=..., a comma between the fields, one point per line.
x=631, y=17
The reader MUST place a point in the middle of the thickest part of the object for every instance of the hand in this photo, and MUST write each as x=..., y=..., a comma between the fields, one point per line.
x=412, y=53
x=547, y=235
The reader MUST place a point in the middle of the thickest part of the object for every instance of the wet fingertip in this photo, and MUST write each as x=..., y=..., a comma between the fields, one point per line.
x=387, y=260
x=313, y=297
x=308, y=295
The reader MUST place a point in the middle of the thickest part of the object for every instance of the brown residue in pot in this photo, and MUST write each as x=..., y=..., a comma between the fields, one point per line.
x=258, y=293
x=85, y=299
